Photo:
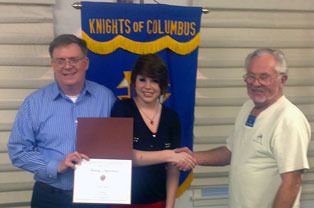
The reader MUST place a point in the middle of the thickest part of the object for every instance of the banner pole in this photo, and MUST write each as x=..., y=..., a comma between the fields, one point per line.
x=78, y=5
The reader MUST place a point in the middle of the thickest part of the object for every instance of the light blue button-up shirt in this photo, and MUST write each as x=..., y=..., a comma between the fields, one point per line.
x=44, y=131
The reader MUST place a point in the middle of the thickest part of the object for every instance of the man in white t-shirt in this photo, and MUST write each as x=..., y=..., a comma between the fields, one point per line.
x=267, y=150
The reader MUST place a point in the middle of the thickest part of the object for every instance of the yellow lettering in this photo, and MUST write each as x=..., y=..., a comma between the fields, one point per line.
x=173, y=27
x=135, y=27
x=127, y=26
x=193, y=29
x=141, y=25
x=121, y=25
x=167, y=26
x=148, y=29
x=107, y=26
x=152, y=26
x=186, y=28
x=180, y=28
x=160, y=31
x=91, y=26
x=114, y=27
x=98, y=26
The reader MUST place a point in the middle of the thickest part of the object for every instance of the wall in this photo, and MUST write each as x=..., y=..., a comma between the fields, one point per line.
x=67, y=19
x=230, y=31
x=26, y=29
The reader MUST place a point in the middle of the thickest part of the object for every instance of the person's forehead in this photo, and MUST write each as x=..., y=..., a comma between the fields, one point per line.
x=265, y=62
x=67, y=47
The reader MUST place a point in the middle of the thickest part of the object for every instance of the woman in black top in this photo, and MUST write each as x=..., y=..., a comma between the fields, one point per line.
x=156, y=135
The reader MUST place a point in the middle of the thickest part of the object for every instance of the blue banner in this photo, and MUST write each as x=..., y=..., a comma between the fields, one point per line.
x=116, y=34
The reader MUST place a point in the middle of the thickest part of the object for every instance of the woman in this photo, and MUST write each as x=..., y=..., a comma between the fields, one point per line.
x=156, y=135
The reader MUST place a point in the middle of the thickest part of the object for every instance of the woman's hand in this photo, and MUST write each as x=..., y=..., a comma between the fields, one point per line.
x=183, y=159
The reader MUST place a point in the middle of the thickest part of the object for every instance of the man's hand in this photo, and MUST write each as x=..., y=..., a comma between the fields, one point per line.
x=184, y=149
x=183, y=159
x=71, y=160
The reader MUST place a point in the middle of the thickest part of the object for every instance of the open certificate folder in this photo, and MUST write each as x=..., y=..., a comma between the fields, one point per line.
x=106, y=177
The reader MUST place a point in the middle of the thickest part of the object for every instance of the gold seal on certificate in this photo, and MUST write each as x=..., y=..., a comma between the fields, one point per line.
x=106, y=177
x=102, y=177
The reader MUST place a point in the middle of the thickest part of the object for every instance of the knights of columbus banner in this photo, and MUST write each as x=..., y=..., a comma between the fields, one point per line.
x=117, y=33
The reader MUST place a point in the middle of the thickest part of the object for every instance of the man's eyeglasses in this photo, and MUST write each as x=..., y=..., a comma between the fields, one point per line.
x=263, y=79
x=61, y=62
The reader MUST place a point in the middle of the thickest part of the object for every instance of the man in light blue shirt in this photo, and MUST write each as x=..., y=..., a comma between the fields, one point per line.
x=43, y=138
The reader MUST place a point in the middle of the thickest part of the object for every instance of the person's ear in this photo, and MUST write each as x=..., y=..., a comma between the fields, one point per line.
x=86, y=62
x=284, y=78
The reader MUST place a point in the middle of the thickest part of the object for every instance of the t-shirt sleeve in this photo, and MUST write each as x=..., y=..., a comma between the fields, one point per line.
x=290, y=144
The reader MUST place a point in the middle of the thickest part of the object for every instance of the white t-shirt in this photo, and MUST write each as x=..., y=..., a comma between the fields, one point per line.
x=73, y=97
x=276, y=143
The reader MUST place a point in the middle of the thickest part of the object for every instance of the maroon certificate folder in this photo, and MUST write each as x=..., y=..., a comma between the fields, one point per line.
x=105, y=138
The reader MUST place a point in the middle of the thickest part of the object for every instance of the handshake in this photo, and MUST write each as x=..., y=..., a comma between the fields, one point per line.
x=184, y=159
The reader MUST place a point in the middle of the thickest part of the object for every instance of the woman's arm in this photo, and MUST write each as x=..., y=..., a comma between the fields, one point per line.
x=182, y=160
x=173, y=174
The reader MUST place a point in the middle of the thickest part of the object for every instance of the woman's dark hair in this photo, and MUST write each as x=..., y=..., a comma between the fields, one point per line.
x=151, y=66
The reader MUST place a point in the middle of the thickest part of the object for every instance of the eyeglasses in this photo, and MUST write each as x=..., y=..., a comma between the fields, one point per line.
x=61, y=62
x=263, y=79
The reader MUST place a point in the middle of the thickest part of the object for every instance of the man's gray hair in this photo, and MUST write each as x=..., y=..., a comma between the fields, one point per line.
x=277, y=54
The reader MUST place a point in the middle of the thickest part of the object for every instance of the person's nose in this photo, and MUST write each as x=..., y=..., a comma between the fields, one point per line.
x=67, y=64
x=147, y=85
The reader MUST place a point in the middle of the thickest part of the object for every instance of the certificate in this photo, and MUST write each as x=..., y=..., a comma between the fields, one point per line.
x=105, y=181
x=106, y=177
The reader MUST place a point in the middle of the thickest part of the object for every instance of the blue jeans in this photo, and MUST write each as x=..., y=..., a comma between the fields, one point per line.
x=45, y=196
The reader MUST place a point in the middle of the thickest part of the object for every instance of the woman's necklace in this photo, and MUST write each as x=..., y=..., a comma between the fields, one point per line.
x=150, y=119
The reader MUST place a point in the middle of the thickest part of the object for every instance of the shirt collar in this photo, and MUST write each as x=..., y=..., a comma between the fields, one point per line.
x=57, y=92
